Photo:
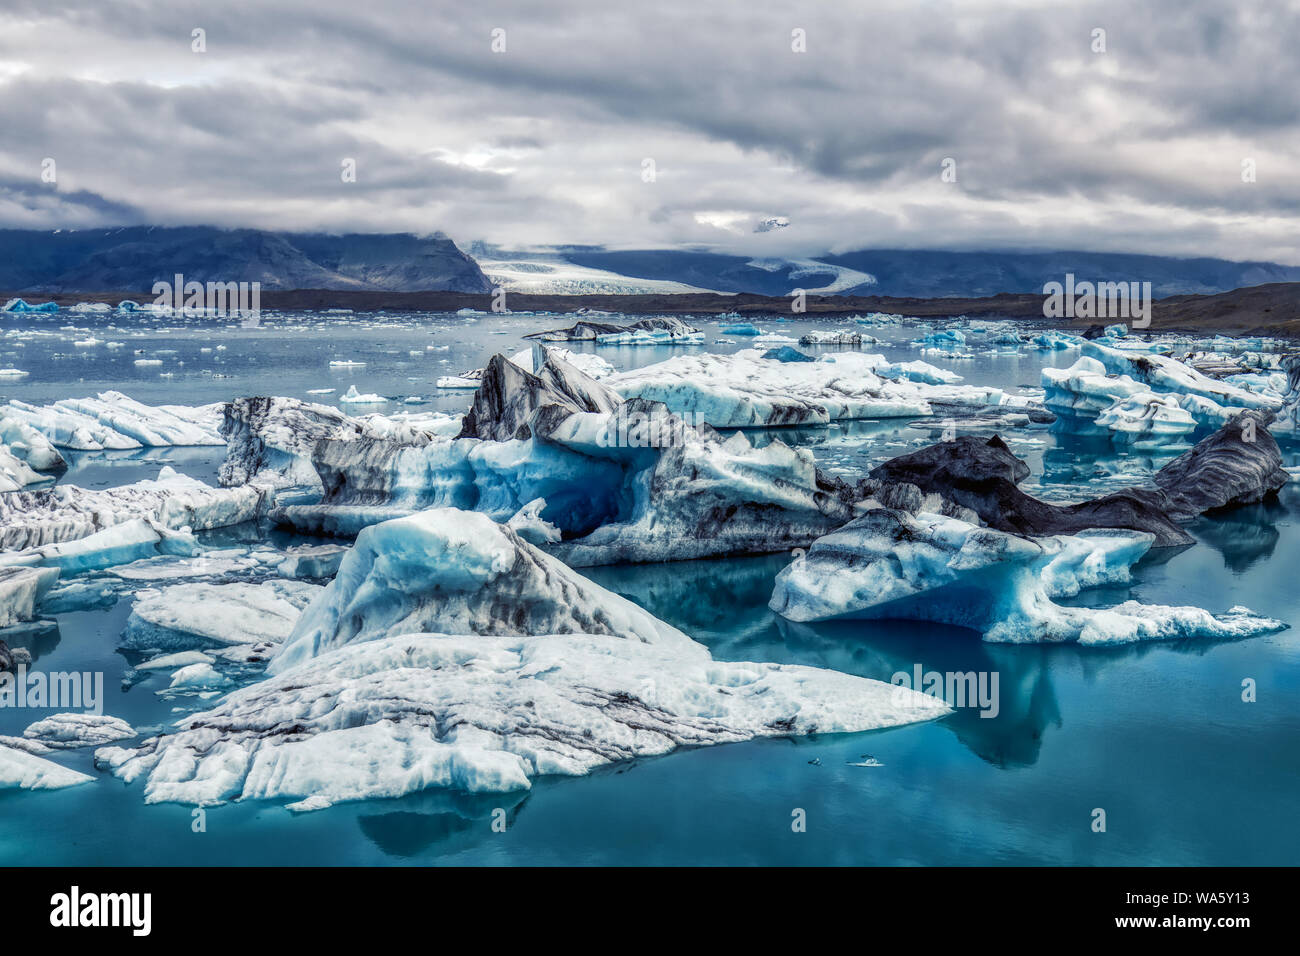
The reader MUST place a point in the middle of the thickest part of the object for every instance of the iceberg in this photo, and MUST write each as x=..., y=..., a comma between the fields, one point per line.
x=508, y=397
x=15, y=473
x=627, y=481
x=746, y=390
x=270, y=441
x=70, y=731
x=28, y=445
x=312, y=561
x=1240, y=464
x=377, y=711
x=466, y=381
x=198, y=616
x=889, y=564
x=660, y=330
x=33, y=519
x=1056, y=341
x=982, y=476
x=845, y=338
x=20, y=305
x=21, y=591
x=1147, y=420
x=25, y=771
x=353, y=397
x=115, y=421
x=1163, y=374
x=459, y=572
x=588, y=363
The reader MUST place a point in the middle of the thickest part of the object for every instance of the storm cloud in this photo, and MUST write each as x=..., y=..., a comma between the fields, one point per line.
x=1139, y=146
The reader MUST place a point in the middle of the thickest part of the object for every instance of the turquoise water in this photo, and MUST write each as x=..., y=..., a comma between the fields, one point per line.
x=1157, y=734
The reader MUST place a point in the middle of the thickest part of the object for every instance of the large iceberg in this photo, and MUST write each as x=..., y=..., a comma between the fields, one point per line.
x=982, y=475
x=745, y=390
x=458, y=572
x=622, y=481
x=889, y=564
x=1146, y=399
x=270, y=441
x=357, y=709
x=1240, y=464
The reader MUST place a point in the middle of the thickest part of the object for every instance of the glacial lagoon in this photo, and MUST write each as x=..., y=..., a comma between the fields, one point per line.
x=1156, y=733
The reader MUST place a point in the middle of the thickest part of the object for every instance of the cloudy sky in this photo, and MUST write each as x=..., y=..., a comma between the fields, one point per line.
x=1137, y=148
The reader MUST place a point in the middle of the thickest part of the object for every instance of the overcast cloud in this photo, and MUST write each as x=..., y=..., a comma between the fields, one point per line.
x=1139, y=148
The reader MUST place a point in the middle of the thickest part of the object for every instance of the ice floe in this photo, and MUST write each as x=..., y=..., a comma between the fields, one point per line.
x=25, y=771
x=661, y=330
x=190, y=616
x=70, y=731
x=115, y=421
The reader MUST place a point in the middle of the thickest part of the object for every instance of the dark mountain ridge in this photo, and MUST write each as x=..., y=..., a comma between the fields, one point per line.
x=134, y=257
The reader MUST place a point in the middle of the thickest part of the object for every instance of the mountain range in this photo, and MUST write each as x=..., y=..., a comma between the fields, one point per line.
x=131, y=259
x=134, y=257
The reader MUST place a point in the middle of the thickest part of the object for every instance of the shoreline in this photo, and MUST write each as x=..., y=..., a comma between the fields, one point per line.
x=1266, y=310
